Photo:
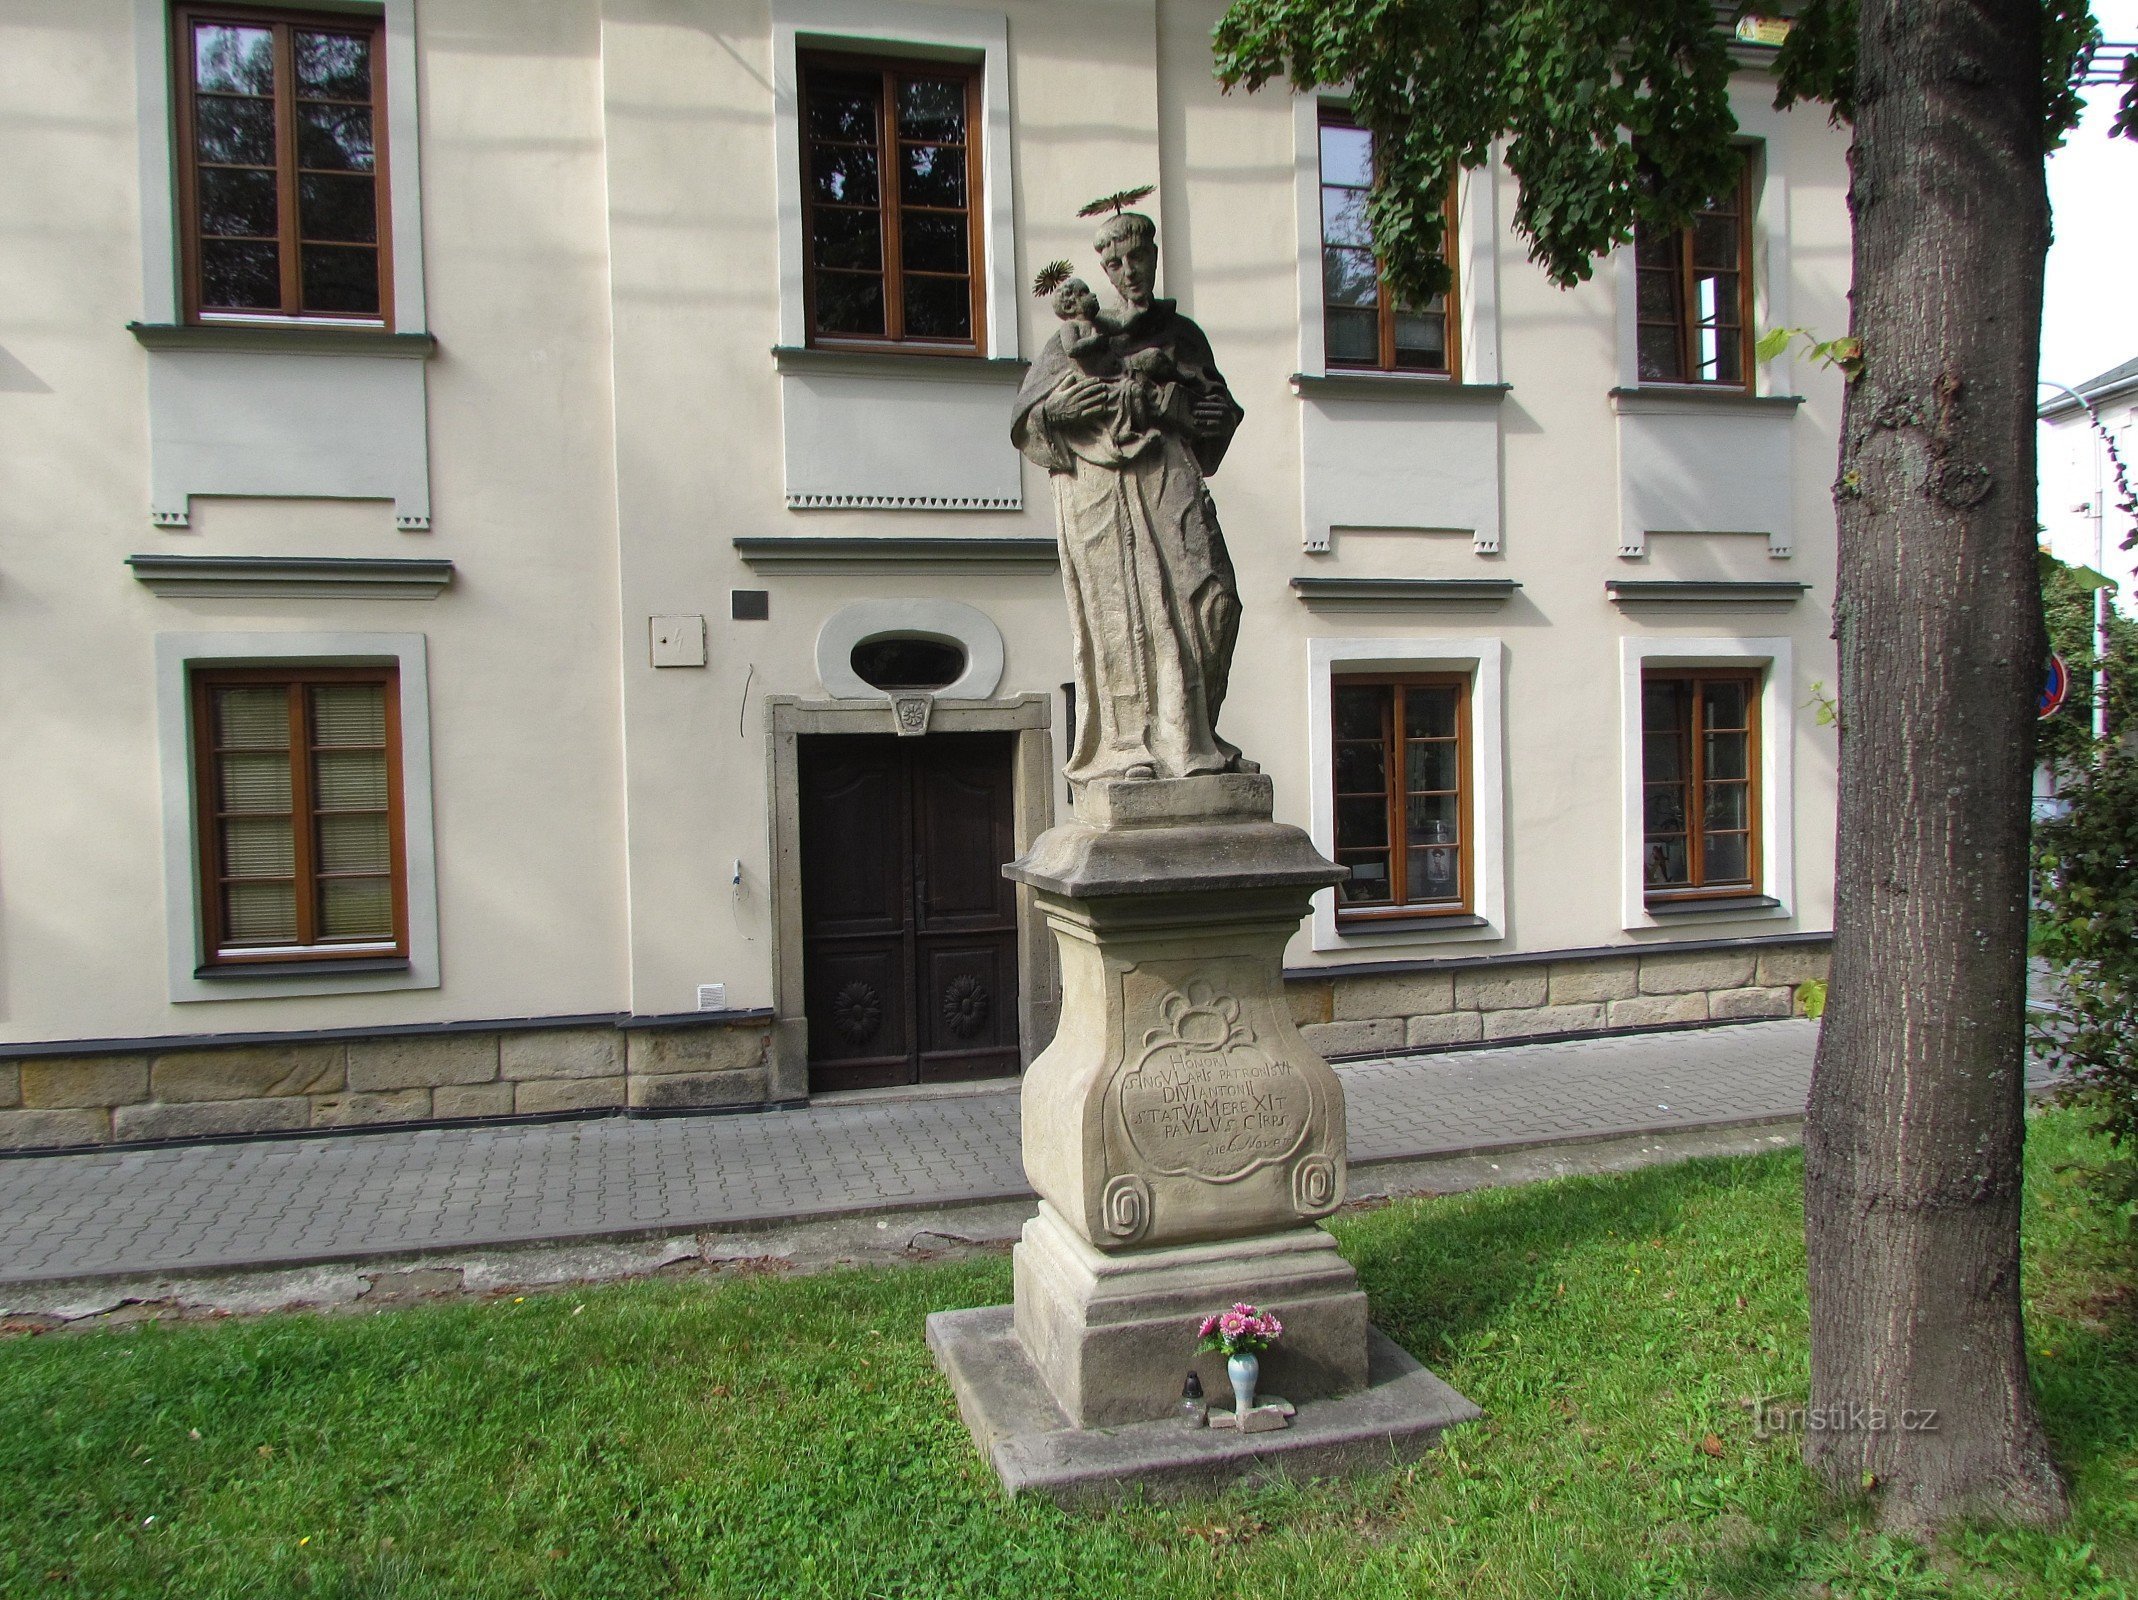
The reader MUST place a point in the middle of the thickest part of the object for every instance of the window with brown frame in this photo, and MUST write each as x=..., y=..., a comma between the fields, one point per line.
x=297, y=786
x=1700, y=784
x=890, y=188
x=1402, y=790
x=1363, y=324
x=281, y=146
x=1694, y=295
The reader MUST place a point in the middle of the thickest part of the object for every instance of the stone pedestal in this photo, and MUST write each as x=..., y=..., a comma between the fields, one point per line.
x=1183, y=1139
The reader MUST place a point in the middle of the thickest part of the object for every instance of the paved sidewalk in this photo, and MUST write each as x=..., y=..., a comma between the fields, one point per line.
x=202, y=1208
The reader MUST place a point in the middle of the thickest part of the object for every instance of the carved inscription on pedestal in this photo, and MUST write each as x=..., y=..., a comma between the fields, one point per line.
x=1202, y=1099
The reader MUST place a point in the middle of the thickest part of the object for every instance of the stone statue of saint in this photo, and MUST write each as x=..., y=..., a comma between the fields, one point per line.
x=1129, y=415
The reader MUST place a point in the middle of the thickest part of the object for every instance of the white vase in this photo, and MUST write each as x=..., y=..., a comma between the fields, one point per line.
x=1244, y=1371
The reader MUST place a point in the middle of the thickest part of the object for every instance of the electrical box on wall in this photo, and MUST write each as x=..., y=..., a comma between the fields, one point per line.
x=678, y=641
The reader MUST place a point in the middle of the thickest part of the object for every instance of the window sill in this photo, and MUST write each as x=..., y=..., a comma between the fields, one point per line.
x=1346, y=927
x=301, y=969
x=945, y=366
x=1340, y=385
x=1686, y=908
x=1404, y=591
x=1684, y=398
x=293, y=338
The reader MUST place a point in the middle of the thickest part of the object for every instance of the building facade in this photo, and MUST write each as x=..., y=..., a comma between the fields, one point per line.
x=521, y=600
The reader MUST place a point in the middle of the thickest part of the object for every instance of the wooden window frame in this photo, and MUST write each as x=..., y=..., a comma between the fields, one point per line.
x=289, y=235
x=1694, y=785
x=890, y=204
x=1682, y=272
x=1385, y=308
x=1394, y=794
x=308, y=948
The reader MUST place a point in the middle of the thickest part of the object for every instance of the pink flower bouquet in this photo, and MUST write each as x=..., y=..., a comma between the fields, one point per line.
x=1243, y=1330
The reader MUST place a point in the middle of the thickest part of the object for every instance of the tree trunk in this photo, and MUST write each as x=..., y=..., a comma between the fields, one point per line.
x=1919, y=1387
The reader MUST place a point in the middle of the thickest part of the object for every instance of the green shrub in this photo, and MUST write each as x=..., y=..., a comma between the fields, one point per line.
x=2087, y=914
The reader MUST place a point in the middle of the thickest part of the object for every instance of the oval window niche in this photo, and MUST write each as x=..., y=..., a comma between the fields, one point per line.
x=891, y=662
x=942, y=647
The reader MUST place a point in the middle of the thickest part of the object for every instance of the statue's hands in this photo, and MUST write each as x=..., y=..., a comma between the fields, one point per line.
x=1211, y=414
x=1081, y=401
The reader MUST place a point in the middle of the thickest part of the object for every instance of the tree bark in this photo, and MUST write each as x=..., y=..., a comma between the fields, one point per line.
x=1919, y=1386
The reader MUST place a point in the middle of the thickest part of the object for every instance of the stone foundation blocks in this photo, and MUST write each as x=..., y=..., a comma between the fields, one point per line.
x=1656, y=1010
x=561, y=1053
x=548, y=1096
x=1741, y=1004
x=1786, y=966
x=1584, y=982
x=472, y=1100
x=249, y=1072
x=76, y=1082
x=1450, y=1027
x=1400, y=995
x=1501, y=989
x=51, y=1130
x=422, y=1061
x=1674, y=972
x=200, y=1118
x=682, y=1091
x=1543, y=1021
x=1354, y=1038
x=655, y=1052
x=10, y=1084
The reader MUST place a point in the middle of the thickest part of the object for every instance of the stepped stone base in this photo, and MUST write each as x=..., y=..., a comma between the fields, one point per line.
x=1396, y=1417
x=1113, y=1334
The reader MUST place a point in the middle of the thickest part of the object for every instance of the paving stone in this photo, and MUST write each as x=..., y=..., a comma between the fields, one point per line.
x=561, y=1053
x=472, y=1100
x=550, y=1095
x=37, y=1129
x=1354, y=1038
x=422, y=1061
x=1450, y=1027
x=193, y=1119
x=1398, y=995
x=1580, y=982
x=68, y=1082
x=359, y=1109
x=1501, y=989
x=251, y=1072
x=1655, y=1010
x=1740, y=1003
x=1682, y=971
x=1787, y=965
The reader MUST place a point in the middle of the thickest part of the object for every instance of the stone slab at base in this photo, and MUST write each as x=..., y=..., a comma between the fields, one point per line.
x=1396, y=1418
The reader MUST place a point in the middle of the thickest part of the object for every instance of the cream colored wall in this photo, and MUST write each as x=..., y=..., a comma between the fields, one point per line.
x=602, y=269
x=522, y=649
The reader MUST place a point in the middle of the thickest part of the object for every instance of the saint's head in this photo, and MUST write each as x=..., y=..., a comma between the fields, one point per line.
x=1127, y=243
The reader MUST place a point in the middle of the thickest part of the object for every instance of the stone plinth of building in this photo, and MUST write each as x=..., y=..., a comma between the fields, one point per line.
x=1183, y=1138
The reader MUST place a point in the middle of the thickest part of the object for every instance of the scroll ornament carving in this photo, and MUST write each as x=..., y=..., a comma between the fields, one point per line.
x=1314, y=1186
x=1125, y=1207
x=1203, y=1099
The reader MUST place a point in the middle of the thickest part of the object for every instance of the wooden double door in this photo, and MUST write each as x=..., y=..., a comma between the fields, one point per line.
x=909, y=929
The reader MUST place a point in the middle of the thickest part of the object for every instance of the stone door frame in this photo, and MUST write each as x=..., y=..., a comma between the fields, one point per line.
x=787, y=719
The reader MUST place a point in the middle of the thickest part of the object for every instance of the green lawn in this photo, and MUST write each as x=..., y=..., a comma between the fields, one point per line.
x=763, y=1435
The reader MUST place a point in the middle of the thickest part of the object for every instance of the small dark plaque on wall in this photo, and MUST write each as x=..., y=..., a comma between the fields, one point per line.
x=750, y=605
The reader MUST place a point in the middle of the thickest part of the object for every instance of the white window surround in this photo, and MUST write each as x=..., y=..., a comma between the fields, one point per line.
x=335, y=424
x=1477, y=258
x=1481, y=660
x=904, y=29
x=176, y=655
x=1777, y=769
